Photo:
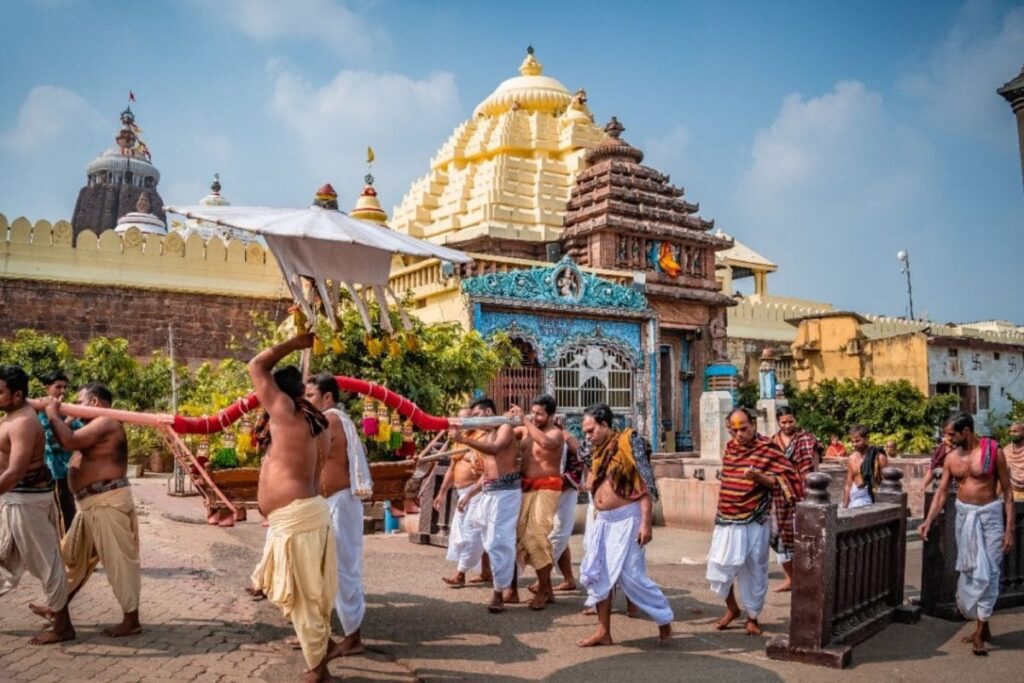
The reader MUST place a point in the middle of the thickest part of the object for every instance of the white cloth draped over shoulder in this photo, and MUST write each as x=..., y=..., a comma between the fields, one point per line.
x=359, y=477
x=979, y=558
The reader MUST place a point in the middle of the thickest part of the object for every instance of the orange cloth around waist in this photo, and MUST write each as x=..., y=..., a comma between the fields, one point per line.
x=552, y=483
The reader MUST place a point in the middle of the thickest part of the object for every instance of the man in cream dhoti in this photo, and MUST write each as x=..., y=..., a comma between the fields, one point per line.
x=105, y=529
x=344, y=481
x=28, y=513
x=978, y=465
x=466, y=533
x=543, y=451
x=622, y=485
x=298, y=571
x=501, y=495
x=753, y=469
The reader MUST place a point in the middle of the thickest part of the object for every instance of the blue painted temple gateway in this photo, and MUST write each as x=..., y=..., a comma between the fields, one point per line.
x=583, y=339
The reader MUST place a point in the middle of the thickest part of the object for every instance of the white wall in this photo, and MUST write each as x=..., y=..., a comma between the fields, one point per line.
x=979, y=367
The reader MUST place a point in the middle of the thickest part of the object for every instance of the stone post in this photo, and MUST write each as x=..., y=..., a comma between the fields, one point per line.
x=1013, y=92
x=767, y=423
x=715, y=407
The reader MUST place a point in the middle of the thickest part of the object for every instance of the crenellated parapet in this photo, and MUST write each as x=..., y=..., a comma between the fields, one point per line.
x=49, y=252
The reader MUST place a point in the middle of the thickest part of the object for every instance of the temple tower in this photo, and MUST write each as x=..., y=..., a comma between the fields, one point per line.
x=1013, y=92
x=115, y=180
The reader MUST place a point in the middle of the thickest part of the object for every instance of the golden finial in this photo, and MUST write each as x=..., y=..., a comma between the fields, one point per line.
x=530, y=65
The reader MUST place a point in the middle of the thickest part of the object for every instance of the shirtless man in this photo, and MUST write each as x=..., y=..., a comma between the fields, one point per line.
x=298, y=570
x=344, y=465
x=502, y=495
x=465, y=537
x=27, y=509
x=106, y=526
x=978, y=465
x=1014, y=454
x=624, y=491
x=543, y=448
x=863, y=468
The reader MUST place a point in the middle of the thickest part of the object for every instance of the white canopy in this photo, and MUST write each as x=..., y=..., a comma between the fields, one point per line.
x=326, y=246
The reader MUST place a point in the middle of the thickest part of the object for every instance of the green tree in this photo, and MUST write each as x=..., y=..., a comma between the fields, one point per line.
x=38, y=354
x=891, y=410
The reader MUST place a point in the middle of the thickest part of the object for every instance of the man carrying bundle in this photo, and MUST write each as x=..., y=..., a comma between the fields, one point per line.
x=298, y=571
x=106, y=529
x=466, y=534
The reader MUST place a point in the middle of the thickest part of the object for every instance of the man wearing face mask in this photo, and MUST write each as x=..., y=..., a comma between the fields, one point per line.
x=1014, y=453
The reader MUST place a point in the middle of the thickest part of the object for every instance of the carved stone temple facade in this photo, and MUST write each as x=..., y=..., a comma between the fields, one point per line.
x=594, y=264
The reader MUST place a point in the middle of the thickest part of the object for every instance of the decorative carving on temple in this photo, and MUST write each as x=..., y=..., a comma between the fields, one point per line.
x=563, y=285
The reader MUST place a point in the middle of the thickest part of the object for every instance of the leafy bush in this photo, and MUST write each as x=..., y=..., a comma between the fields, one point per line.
x=892, y=410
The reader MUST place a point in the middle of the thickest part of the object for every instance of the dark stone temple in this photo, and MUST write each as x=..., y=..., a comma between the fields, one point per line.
x=115, y=181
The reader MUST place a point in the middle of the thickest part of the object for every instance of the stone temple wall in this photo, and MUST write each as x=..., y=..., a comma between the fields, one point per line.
x=133, y=286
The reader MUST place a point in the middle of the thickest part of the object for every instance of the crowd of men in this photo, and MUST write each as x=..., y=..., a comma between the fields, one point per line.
x=66, y=506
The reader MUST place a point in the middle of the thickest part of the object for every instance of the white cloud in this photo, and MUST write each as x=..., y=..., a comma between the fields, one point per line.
x=326, y=21
x=405, y=120
x=834, y=187
x=957, y=81
x=45, y=115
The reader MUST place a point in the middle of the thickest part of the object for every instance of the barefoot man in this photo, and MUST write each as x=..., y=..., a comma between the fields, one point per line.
x=501, y=496
x=624, y=491
x=863, y=469
x=978, y=465
x=466, y=535
x=344, y=478
x=105, y=529
x=1014, y=454
x=752, y=469
x=543, y=451
x=565, y=517
x=298, y=571
x=28, y=513
x=801, y=449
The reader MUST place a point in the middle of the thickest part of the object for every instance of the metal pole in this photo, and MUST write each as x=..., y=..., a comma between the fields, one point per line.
x=910, y=291
x=179, y=473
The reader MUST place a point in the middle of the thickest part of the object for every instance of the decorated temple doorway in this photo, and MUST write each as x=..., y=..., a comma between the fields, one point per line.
x=595, y=372
x=520, y=385
x=675, y=391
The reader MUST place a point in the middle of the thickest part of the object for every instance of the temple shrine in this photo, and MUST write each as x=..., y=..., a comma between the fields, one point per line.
x=594, y=264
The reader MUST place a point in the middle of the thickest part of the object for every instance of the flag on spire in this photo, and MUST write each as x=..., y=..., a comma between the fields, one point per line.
x=369, y=155
x=131, y=96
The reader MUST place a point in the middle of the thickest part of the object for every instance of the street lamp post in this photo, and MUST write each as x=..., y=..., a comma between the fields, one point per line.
x=904, y=258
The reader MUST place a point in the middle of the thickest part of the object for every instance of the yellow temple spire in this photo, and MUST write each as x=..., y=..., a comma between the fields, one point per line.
x=367, y=207
x=530, y=65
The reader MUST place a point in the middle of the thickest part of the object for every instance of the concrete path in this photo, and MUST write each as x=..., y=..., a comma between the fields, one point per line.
x=200, y=626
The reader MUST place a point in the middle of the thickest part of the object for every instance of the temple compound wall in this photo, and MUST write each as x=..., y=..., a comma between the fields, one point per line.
x=134, y=286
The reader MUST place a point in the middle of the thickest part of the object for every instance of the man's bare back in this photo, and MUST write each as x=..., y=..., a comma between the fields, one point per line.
x=335, y=474
x=17, y=426
x=290, y=467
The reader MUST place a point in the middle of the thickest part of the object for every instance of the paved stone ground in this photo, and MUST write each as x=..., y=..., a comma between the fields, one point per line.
x=200, y=626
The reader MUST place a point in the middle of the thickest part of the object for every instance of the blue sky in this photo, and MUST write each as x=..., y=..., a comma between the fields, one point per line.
x=827, y=136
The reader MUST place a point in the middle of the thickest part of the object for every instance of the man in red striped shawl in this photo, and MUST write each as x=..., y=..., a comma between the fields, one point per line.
x=753, y=468
x=803, y=450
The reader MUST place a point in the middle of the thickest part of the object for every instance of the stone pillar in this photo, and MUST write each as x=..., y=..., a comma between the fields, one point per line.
x=715, y=407
x=767, y=423
x=1013, y=92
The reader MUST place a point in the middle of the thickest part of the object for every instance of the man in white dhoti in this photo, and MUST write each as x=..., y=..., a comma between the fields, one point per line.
x=863, y=469
x=982, y=538
x=500, y=490
x=753, y=469
x=344, y=481
x=622, y=484
x=466, y=530
x=28, y=511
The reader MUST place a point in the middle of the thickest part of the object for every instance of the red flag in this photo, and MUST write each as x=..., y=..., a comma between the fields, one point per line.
x=131, y=96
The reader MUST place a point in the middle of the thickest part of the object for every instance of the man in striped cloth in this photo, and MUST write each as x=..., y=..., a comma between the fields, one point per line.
x=753, y=468
x=803, y=450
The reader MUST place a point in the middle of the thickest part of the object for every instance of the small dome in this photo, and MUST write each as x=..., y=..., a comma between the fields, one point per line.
x=142, y=219
x=368, y=206
x=214, y=198
x=530, y=90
